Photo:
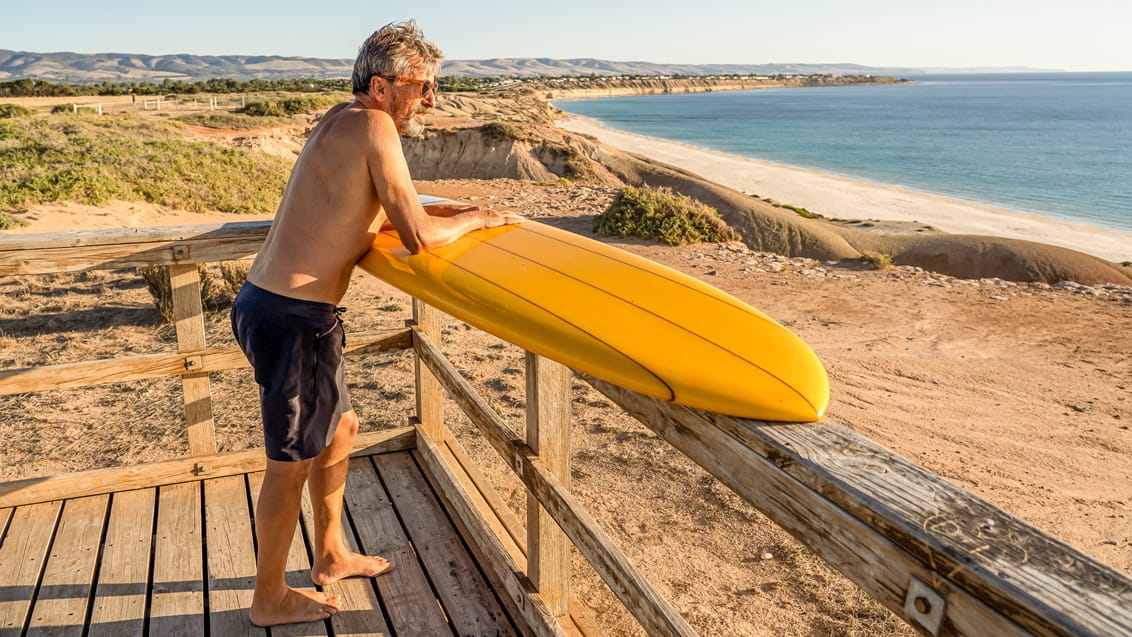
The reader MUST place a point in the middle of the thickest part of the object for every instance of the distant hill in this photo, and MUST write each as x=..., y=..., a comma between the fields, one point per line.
x=128, y=67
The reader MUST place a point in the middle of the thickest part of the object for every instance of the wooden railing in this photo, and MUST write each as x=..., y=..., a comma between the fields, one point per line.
x=946, y=561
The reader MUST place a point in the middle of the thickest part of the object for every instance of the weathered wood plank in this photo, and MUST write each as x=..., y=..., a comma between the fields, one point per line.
x=32, y=490
x=123, y=577
x=128, y=248
x=653, y=612
x=131, y=368
x=548, y=434
x=467, y=598
x=231, y=557
x=177, y=595
x=115, y=257
x=298, y=569
x=1031, y=577
x=188, y=317
x=498, y=560
x=32, y=241
x=405, y=590
x=23, y=552
x=361, y=613
x=867, y=557
x=506, y=526
x=495, y=511
x=64, y=591
x=430, y=398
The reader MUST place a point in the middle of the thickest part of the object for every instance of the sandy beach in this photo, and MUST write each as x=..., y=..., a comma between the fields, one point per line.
x=835, y=196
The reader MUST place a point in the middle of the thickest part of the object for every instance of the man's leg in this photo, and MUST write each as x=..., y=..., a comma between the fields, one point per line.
x=277, y=518
x=333, y=559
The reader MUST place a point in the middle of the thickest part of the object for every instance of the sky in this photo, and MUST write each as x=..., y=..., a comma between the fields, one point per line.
x=1085, y=35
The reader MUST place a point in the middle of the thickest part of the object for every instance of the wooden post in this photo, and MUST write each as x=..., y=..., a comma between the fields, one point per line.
x=430, y=396
x=548, y=435
x=188, y=316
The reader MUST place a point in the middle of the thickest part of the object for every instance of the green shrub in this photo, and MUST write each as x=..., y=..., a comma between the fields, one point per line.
x=62, y=108
x=263, y=108
x=288, y=106
x=235, y=121
x=879, y=260
x=96, y=160
x=160, y=287
x=7, y=221
x=9, y=111
x=234, y=274
x=662, y=215
x=800, y=211
x=502, y=131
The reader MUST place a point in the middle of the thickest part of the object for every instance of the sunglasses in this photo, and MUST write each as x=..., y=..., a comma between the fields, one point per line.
x=425, y=86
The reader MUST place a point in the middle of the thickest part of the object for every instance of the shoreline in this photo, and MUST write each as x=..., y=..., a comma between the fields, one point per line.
x=838, y=197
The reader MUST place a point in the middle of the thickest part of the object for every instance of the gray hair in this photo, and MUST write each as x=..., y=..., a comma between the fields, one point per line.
x=395, y=50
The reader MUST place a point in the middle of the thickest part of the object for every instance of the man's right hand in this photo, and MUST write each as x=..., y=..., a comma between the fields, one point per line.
x=493, y=219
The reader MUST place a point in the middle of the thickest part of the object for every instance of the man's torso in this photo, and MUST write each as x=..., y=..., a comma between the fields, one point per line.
x=323, y=225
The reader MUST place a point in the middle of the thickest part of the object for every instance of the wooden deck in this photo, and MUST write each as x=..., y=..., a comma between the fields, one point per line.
x=180, y=560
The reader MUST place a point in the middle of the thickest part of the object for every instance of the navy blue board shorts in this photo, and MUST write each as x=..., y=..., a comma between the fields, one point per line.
x=295, y=348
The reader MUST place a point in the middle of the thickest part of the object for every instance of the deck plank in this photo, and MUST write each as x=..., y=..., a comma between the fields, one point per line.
x=192, y=545
x=64, y=593
x=467, y=598
x=298, y=569
x=361, y=613
x=123, y=578
x=22, y=555
x=231, y=557
x=177, y=595
x=413, y=610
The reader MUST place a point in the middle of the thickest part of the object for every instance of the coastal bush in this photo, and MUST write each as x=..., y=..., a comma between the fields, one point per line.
x=800, y=211
x=234, y=121
x=94, y=160
x=160, y=287
x=234, y=273
x=9, y=111
x=503, y=131
x=662, y=215
x=287, y=106
x=7, y=221
x=879, y=260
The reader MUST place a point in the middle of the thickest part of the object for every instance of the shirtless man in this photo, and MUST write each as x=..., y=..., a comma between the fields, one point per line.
x=350, y=179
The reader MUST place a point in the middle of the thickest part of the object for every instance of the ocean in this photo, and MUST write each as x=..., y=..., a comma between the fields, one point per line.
x=1055, y=144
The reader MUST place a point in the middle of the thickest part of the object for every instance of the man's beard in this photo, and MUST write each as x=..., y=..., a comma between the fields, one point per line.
x=410, y=126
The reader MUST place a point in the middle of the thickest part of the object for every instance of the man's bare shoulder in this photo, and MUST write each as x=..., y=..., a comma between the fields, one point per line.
x=355, y=120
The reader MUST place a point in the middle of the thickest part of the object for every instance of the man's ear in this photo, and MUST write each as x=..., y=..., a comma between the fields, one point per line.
x=377, y=87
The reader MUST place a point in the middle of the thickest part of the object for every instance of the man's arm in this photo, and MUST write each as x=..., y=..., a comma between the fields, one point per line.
x=449, y=209
x=419, y=231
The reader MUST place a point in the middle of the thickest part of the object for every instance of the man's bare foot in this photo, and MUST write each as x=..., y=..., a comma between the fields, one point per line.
x=294, y=606
x=335, y=567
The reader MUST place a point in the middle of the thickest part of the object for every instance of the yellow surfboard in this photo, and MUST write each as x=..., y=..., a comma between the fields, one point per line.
x=611, y=314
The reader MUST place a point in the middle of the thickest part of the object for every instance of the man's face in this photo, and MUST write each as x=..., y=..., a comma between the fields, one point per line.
x=412, y=97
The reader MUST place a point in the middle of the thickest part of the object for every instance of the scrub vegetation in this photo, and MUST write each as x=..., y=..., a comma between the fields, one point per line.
x=10, y=111
x=662, y=215
x=287, y=106
x=232, y=121
x=879, y=260
x=94, y=160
